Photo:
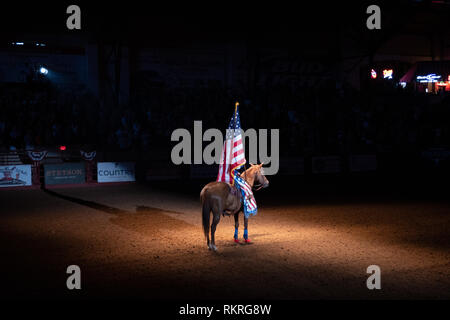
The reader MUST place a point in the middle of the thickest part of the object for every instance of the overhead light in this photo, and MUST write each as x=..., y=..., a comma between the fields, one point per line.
x=43, y=70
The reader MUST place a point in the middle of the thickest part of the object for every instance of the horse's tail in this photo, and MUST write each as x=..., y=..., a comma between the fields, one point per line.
x=206, y=213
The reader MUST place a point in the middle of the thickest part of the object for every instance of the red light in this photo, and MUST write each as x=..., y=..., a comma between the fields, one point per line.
x=62, y=148
x=373, y=74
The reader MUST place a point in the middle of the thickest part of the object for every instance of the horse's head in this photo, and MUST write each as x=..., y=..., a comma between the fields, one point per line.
x=259, y=179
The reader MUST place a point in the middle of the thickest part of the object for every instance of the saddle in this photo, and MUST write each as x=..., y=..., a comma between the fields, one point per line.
x=235, y=193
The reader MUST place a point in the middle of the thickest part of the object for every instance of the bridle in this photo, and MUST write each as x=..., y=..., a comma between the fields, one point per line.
x=259, y=187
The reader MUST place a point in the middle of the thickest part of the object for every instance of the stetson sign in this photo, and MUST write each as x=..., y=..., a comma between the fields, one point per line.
x=65, y=173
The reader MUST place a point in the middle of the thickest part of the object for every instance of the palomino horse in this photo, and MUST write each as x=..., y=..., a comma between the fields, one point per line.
x=223, y=198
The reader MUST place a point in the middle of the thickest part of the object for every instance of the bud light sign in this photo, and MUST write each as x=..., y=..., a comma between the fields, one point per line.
x=115, y=172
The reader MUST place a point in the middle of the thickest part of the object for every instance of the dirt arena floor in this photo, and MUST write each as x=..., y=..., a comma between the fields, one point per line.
x=146, y=241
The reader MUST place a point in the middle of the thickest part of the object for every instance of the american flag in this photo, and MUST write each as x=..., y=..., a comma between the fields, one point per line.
x=249, y=201
x=233, y=154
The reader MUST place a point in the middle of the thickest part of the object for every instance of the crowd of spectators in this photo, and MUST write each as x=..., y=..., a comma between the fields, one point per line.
x=312, y=120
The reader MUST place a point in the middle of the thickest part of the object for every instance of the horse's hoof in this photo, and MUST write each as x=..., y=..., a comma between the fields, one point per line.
x=213, y=248
x=236, y=240
x=247, y=241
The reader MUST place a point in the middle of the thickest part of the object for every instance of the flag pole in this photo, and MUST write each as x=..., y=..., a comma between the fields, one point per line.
x=234, y=126
x=232, y=140
x=235, y=110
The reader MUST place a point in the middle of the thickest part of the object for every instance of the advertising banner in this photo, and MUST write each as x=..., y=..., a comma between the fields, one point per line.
x=15, y=176
x=115, y=172
x=65, y=173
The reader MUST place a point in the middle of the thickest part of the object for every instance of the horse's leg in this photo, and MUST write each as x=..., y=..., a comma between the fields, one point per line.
x=236, y=227
x=206, y=216
x=247, y=240
x=216, y=219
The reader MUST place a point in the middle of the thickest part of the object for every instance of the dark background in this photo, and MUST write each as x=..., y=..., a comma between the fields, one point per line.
x=136, y=72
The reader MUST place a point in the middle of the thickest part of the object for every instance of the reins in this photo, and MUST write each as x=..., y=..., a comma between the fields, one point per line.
x=253, y=186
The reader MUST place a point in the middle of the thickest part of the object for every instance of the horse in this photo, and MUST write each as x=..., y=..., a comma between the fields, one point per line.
x=223, y=198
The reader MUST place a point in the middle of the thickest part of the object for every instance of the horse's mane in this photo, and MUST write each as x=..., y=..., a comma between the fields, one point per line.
x=249, y=174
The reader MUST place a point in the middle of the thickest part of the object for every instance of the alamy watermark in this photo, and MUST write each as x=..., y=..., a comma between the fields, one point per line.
x=211, y=154
x=373, y=22
x=74, y=280
x=74, y=20
x=374, y=280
